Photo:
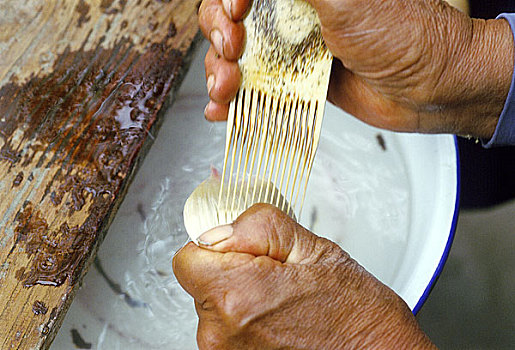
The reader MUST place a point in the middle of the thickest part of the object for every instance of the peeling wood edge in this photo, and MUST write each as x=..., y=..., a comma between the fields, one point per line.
x=45, y=342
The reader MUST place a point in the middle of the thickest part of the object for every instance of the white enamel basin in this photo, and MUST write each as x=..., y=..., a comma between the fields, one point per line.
x=389, y=199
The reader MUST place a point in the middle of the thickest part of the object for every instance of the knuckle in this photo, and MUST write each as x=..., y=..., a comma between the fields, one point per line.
x=329, y=251
x=203, y=18
x=208, y=14
x=234, y=312
x=211, y=57
x=265, y=210
x=230, y=72
x=241, y=304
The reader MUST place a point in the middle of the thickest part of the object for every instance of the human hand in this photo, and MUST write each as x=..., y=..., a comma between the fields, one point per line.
x=265, y=282
x=402, y=65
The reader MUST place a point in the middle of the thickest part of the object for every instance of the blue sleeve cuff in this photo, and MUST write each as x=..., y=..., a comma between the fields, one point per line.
x=504, y=134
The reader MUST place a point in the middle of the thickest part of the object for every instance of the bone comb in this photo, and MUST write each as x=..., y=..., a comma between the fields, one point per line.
x=274, y=122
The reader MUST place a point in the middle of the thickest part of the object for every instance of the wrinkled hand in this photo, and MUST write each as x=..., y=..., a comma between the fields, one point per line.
x=408, y=65
x=265, y=282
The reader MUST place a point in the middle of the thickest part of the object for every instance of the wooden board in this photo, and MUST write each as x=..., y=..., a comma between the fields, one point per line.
x=82, y=88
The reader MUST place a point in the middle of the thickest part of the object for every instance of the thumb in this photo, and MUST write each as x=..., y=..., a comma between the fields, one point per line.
x=264, y=230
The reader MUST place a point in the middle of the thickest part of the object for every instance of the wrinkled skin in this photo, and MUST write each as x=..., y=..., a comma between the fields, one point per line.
x=274, y=285
x=404, y=65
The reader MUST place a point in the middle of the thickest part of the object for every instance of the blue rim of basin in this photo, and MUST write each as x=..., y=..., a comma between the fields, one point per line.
x=450, y=239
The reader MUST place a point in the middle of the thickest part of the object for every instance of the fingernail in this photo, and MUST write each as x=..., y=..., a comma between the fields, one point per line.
x=210, y=83
x=228, y=7
x=218, y=41
x=215, y=235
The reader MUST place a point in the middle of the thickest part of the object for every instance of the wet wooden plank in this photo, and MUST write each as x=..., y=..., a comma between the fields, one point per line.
x=82, y=88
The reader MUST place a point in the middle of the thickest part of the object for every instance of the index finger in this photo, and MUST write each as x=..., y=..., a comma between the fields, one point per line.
x=236, y=9
x=226, y=35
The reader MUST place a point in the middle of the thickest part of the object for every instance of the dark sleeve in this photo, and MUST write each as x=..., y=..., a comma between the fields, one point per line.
x=504, y=134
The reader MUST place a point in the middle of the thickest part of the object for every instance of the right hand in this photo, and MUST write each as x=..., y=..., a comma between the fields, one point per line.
x=265, y=282
x=411, y=65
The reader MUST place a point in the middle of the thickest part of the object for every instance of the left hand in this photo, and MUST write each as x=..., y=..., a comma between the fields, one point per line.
x=265, y=282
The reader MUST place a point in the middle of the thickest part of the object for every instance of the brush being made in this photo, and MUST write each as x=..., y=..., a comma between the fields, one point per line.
x=274, y=122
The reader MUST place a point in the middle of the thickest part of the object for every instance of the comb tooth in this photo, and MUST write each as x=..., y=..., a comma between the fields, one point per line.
x=256, y=137
x=281, y=132
x=232, y=150
x=282, y=145
x=269, y=138
x=249, y=141
x=265, y=115
x=305, y=146
x=297, y=155
x=240, y=151
x=243, y=113
x=235, y=145
x=229, y=138
x=309, y=151
x=275, y=144
x=291, y=151
x=289, y=157
x=314, y=144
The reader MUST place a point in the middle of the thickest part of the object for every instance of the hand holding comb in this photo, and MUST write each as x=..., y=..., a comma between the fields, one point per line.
x=274, y=122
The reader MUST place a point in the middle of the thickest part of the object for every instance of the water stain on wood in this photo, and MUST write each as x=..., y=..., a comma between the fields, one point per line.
x=172, y=30
x=53, y=314
x=153, y=26
x=76, y=115
x=54, y=254
x=39, y=308
x=7, y=153
x=45, y=330
x=92, y=114
x=106, y=4
x=122, y=100
x=18, y=179
x=108, y=8
x=19, y=273
x=122, y=4
x=83, y=10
